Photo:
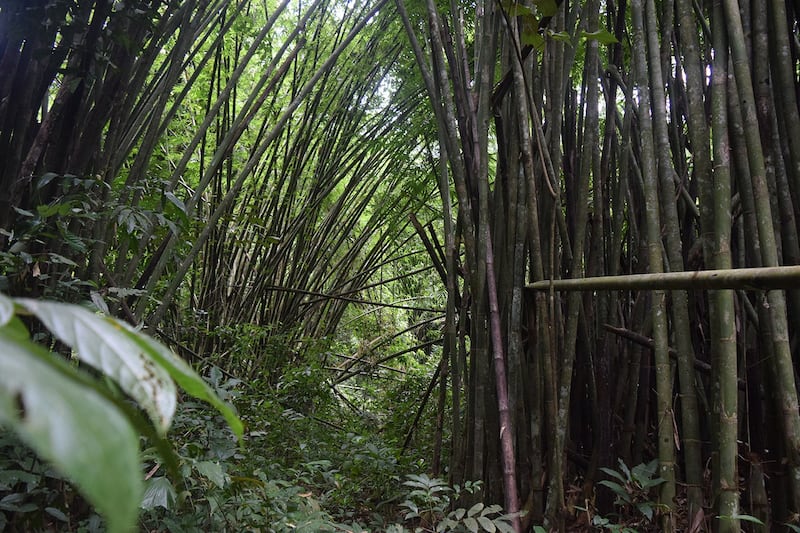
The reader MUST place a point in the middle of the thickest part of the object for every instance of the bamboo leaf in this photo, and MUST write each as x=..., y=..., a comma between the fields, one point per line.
x=174, y=200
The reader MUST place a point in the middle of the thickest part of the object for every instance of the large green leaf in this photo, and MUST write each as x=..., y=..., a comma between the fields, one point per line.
x=547, y=8
x=83, y=434
x=514, y=9
x=185, y=376
x=108, y=346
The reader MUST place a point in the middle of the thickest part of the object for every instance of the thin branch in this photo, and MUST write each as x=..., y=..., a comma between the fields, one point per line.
x=323, y=296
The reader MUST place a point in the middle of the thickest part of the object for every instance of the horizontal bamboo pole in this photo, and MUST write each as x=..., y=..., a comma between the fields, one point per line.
x=782, y=277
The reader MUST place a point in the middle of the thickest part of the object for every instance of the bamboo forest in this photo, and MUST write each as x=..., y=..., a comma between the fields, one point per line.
x=399, y=266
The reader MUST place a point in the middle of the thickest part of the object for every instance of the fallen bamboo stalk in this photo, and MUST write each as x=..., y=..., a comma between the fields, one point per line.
x=781, y=277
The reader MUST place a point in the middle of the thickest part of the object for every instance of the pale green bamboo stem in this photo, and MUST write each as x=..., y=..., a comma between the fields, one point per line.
x=696, y=117
x=664, y=413
x=555, y=497
x=682, y=337
x=783, y=365
x=721, y=302
x=526, y=113
x=782, y=65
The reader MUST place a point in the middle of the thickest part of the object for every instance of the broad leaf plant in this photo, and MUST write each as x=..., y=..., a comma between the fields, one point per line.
x=81, y=421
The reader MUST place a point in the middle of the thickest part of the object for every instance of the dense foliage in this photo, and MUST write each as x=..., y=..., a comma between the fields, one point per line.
x=367, y=225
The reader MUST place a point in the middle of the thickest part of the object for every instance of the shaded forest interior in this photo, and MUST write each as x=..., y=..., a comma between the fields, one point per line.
x=457, y=241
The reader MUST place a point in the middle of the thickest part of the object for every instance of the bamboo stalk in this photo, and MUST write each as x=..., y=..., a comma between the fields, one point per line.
x=785, y=384
x=663, y=371
x=721, y=302
x=564, y=372
x=762, y=278
x=679, y=310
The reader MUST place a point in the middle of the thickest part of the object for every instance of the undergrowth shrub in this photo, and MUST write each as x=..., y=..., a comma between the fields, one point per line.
x=293, y=473
x=297, y=473
x=34, y=496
